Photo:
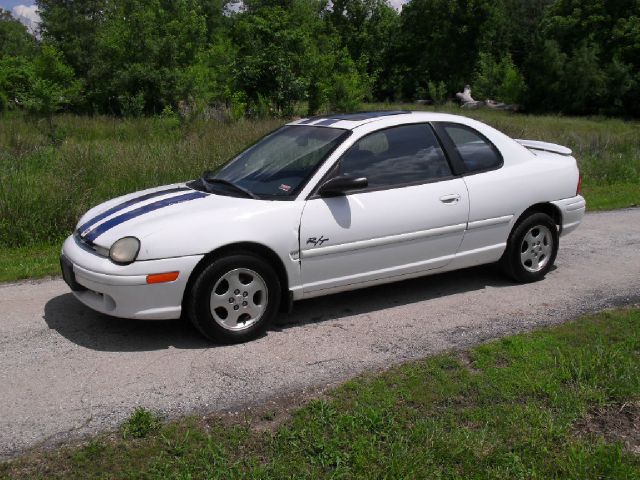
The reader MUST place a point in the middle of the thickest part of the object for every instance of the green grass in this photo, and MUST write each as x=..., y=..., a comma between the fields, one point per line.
x=34, y=261
x=609, y=197
x=45, y=188
x=503, y=410
x=140, y=424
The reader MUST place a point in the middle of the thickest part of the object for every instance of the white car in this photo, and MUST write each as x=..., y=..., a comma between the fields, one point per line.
x=324, y=205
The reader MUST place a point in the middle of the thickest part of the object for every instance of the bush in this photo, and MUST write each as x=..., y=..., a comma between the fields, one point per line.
x=260, y=108
x=132, y=106
x=170, y=119
x=585, y=82
x=500, y=81
x=314, y=97
x=345, y=87
x=140, y=424
x=16, y=78
x=437, y=92
x=346, y=94
x=238, y=106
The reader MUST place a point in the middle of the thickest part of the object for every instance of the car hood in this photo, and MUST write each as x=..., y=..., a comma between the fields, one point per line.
x=168, y=208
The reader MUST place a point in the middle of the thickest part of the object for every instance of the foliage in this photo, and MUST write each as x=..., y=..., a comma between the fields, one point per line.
x=367, y=29
x=439, y=40
x=587, y=58
x=498, y=80
x=16, y=79
x=211, y=57
x=54, y=85
x=276, y=51
x=17, y=48
x=15, y=40
x=144, y=50
x=437, y=92
x=71, y=26
x=345, y=88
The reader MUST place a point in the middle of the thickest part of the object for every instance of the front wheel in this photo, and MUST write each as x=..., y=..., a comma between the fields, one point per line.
x=234, y=298
x=531, y=249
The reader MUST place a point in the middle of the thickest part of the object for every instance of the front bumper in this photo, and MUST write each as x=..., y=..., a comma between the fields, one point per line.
x=573, y=210
x=122, y=291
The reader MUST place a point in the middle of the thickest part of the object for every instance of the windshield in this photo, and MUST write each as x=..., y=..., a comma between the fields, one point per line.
x=280, y=164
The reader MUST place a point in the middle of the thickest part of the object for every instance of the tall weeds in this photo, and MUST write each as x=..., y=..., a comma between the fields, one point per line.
x=44, y=188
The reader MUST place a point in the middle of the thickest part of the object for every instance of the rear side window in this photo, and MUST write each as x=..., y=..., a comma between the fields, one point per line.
x=476, y=151
x=396, y=156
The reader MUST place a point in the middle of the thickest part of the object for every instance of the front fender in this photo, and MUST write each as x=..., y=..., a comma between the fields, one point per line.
x=273, y=225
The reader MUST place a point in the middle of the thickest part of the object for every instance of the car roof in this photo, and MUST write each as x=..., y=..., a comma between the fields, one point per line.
x=350, y=121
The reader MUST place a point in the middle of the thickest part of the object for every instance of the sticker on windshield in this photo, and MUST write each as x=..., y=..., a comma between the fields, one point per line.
x=285, y=188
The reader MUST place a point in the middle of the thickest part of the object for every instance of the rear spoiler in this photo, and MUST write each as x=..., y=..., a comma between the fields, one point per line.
x=544, y=146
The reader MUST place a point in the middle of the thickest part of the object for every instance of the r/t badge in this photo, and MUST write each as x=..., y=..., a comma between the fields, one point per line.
x=317, y=242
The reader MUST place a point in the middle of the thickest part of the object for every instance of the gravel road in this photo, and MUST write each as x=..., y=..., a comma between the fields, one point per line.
x=66, y=371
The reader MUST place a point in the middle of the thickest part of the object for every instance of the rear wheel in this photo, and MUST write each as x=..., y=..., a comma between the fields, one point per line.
x=234, y=298
x=531, y=249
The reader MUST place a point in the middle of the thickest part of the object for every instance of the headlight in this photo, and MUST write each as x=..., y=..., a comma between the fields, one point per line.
x=125, y=250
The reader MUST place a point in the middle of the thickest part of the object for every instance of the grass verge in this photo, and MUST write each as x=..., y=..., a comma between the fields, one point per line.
x=34, y=261
x=610, y=197
x=512, y=408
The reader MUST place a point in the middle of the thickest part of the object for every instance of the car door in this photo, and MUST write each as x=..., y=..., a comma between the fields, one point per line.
x=494, y=194
x=410, y=218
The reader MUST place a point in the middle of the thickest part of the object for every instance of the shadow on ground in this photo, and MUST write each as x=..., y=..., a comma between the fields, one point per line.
x=96, y=331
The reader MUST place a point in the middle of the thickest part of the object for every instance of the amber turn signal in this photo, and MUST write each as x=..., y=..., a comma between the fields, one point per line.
x=162, y=277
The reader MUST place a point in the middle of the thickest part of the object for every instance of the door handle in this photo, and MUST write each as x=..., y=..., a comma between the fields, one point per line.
x=450, y=199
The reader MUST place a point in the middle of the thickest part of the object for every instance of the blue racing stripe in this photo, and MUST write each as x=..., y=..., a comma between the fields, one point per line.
x=115, y=221
x=307, y=121
x=126, y=204
x=326, y=123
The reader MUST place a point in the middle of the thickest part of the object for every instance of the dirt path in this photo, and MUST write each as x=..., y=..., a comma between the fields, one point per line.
x=66, y=371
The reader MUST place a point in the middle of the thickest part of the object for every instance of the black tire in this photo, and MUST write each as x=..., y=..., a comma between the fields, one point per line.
x=530, y=269
x=198, y=298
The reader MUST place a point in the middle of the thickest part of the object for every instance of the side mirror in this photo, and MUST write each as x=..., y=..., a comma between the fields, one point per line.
x=342, y=184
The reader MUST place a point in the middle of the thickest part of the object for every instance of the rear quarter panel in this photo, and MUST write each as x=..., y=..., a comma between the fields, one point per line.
x=502, y=195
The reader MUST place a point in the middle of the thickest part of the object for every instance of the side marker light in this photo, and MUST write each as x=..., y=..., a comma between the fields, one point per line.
x=162, y=277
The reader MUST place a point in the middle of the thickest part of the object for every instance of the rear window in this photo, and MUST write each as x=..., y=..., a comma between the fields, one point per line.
x=476, y=151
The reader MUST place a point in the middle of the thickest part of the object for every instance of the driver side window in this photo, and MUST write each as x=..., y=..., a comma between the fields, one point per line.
x=408, y=154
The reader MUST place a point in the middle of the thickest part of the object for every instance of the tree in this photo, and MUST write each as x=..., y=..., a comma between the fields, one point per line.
x=16, y=77
x=367, y=28
x=439, y=41
x=498, y=80
x=17, y=47
x=71, y=26
x=512, y=27
x=587, y=58
x=144, y=49
x=15, y=40
x=278, y=51
x=345, y=87
x=54, y=84
x=216, y=19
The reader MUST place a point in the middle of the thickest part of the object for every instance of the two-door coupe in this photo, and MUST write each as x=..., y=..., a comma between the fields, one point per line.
x=324, y=205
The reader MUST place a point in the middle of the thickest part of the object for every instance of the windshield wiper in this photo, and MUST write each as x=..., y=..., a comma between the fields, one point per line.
x=208, y=180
